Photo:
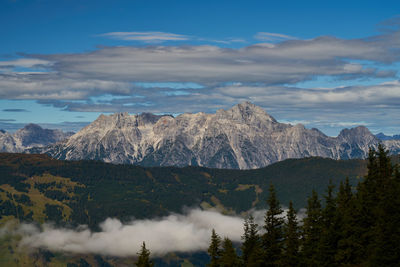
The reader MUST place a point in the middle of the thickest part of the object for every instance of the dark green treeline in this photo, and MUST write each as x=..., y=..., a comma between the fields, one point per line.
x=347, y=227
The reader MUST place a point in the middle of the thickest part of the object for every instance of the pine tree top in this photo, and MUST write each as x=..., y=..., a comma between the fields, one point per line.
x=144, y=257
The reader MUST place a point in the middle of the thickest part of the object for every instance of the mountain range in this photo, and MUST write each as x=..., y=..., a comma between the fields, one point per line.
x=243, y=137
x=32, y=135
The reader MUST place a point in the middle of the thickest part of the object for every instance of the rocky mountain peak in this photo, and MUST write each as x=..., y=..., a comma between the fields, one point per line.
x=34, y=135
x=102, y=117
x=356, y=142
x=33, y=127
x=247, y=113
x=121, y=116
x=246, y=105
x=359, y=133
x=101, y=121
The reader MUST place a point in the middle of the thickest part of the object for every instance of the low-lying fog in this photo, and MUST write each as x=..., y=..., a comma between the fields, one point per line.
x=186, y=232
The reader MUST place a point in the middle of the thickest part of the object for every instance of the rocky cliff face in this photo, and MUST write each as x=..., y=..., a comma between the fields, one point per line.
x=244, y=137
x=31, y=135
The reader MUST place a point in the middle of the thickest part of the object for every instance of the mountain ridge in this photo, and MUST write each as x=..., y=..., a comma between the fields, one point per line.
x=31, y=135
x=243, y=137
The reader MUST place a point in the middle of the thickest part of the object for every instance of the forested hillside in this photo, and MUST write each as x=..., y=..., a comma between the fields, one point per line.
x=74, y=191
x=36, y=188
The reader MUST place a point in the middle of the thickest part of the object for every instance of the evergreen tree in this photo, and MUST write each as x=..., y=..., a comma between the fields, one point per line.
x=144, y=257
x=369, y=194
x=385, y=165
x=312, y=229
x=384, y=249
x=396, y=174
x=330, y=233
x=251, y=246
x=256, y=258
x=344, y=195
x=375, y=237
x=272, y=239
x=291, y=241
x=347, y=219
x=229, y=257
x=214, y=250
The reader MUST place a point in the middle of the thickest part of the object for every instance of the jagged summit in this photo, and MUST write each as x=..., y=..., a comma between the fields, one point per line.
x=358, y=134
x=244, y=136
x=248, y=112
x=244, y=112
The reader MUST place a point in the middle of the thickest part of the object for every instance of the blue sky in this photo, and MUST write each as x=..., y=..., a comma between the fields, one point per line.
x=325, y=64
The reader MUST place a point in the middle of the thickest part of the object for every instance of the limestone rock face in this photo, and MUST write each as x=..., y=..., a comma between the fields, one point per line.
x=244, y=137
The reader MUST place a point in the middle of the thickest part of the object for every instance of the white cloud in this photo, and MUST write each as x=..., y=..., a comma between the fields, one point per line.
x=286, y=62
x=281, y=64
x=148, y=37
x=349, y=124
x=174, y=233
x=51, y=86
x=387, y=93
x=25, y=62
x=269, y=36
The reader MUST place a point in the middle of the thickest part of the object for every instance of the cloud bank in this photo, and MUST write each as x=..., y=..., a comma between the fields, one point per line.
x=174, y=233
x=114, y=70
x=285, y=62
x=187, y=232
